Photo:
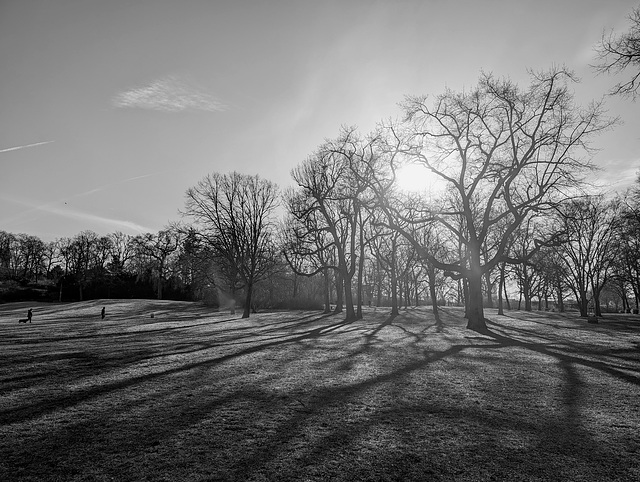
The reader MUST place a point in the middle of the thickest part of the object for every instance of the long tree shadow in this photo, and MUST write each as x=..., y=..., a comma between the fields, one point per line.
x=293, y=413
x=564, y=357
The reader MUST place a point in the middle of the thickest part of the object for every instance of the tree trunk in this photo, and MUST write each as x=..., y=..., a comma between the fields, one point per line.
x=394, y=291
x=359, y=283
x=360, y=269
x=506, y=295
x=247, y=301
x=583, y=304
x=348, y=300
x=475, y=311
x=526, y=289
x=339, y=293
x=487, y=280
x=500, y=288
x=327, y=291
x=465, y=296
x=160, y=273
x=520, y=300
x=432, y=292
x=597, y=290
x=560, y=300
x=407, y=292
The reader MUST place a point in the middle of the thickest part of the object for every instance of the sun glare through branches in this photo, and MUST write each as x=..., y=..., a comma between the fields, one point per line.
x=417, y=178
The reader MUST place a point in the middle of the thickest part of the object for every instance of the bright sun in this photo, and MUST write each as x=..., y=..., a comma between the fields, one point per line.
x=417, y=178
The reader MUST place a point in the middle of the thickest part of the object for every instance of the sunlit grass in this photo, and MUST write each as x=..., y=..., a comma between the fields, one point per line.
x=194, y=394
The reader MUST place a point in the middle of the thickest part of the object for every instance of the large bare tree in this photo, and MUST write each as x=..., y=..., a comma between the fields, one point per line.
x=503, y=153
x=333, y=189
x=234, y=215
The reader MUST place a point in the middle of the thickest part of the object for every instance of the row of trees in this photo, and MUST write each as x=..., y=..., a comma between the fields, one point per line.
x=510, y=209
x=88, y=265
x=511, y=166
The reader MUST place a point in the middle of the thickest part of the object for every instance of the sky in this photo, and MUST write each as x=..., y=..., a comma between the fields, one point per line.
x=111, y=110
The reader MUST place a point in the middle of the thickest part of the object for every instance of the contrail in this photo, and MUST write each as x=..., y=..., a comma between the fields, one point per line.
x=8, y=149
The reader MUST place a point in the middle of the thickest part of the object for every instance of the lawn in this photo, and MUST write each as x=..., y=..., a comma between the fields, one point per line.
x=193, y=394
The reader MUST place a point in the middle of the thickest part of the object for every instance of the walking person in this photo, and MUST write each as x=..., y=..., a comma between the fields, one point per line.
x=29, y=314
x=102, y=313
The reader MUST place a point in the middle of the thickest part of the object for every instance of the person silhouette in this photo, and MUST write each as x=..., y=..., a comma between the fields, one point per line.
x=29, y=314
x=102, y=313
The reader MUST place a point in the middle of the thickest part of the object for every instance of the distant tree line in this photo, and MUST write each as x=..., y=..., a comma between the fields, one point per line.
x=170, y=264
x=514, y=213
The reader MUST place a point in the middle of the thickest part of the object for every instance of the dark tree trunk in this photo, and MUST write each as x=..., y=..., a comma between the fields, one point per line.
x=339, y=293
x=247, y=301
x=560, y=299
x=506, y=296
x=583, y=304
x=500, y=288
x=432, y=292
x=348, y=300
x=487, y=280
x=465, y=296
x=475, y=311
x=394, y=292
x=160, y=274
x=526, y=289
x=327, y=291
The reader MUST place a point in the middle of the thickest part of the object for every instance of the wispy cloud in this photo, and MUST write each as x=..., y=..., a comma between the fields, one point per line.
x=116, y=183
x=9, y=149
x=66, y=211
x=62, y=207
x=169, y=94
x=618, y=174
x=108, y=223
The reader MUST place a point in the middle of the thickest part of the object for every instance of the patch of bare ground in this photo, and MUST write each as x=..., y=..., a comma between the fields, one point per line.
x=193, y=394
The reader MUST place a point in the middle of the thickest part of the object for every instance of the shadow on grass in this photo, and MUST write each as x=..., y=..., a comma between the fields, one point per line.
x=271, y=398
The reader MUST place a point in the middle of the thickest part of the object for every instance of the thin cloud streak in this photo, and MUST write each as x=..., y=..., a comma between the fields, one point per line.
x=618, y=174
x=70, y=213
x=9, y=149
x=107, y=222
x=52, y=208
x=169, y=94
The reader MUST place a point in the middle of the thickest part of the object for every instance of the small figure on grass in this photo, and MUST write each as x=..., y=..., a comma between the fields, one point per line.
x=102, y=313
x=28, y=318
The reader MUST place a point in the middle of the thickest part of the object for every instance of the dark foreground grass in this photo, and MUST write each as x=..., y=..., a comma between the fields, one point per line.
x=196, y=395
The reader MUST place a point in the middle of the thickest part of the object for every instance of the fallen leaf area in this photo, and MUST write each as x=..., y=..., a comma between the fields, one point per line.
x=195, y=394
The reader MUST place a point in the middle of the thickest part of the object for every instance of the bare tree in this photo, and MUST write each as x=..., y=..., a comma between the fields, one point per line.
x=504, y=154
x=233, y=213
x=122, y=250
x=307, y=247
x=617, y=53
x=334, y=194
x=158, y=248
x=590, y=225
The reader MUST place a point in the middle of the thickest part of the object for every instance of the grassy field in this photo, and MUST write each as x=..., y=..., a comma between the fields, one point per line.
x=193, y=394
